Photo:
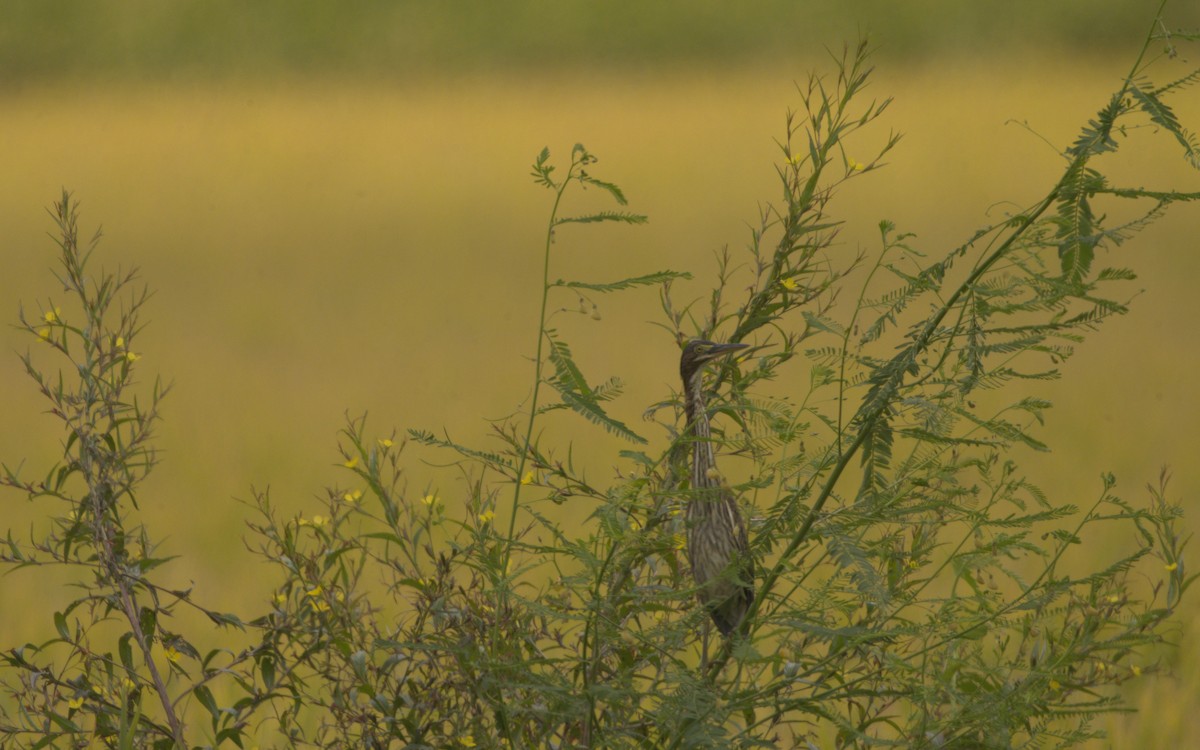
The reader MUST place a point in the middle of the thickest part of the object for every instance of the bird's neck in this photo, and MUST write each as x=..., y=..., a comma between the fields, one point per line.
x=702, y=446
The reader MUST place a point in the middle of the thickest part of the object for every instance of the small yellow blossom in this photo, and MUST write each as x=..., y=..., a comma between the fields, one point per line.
x=314, y=592
x=128, y=684
x=340, y=596
x=429, y=500
x=635, y=523
x=280, y=598
x=1055, y=684
x=1113, y=598
x=854, y=165
x=319, y=521
x=467, y=740
x=789, y=284
x=528, y=478
x=353, y=496
x=351, y=463
x=172, y=654
x=75, y=702
x=385, y=443
x=486, y=516
x=1170, y=568
x=795, y=159
x=130, y=356
x=1137, y=671
x=44, y=333
x=51, y=316
x=120, y=342
x=321, y=605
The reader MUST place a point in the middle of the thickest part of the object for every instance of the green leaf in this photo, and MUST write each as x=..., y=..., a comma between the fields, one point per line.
x=148, y=622
x=613, y=286
x=591, y=411
x=638, y=457
x=63, y=722
x=60, y=624
x=573, y=387
x=266, y=668
x=224, y=618
x=1163, y=116
x=125, y=649
x=205, y=696
x=611, y=188
x=618, y=216
x=822, y=323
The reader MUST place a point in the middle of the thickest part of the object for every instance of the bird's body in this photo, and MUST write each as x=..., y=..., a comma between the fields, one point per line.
x=717, y=545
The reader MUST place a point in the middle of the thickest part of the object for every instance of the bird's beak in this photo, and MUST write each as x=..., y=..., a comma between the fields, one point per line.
x=718, y=350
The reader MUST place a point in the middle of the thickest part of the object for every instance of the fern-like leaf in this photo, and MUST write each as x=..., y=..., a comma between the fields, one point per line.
x=649, y=279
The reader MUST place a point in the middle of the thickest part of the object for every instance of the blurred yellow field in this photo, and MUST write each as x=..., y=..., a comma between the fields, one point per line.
x=319, y=249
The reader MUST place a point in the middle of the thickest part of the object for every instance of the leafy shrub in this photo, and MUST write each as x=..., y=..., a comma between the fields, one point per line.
x=915, y=586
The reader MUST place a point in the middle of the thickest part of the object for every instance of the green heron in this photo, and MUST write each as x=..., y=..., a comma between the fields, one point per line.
x=717, y=546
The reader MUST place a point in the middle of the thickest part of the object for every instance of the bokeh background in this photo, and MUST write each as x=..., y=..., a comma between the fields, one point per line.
x=332, y=204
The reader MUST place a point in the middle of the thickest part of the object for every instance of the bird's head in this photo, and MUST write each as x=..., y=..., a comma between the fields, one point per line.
x=698, y=352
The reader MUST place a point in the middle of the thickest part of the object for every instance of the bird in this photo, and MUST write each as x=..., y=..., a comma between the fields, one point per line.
x=717, y=545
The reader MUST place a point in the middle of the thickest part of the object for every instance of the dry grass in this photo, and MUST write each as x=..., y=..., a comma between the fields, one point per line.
x=318, y=248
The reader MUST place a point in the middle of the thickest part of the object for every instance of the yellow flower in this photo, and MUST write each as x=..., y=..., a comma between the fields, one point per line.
x=320, y=605
x=75, y=702
x=353, y=496
x=1137, y=671
x=130, y=356
x=351, y=463
x=120, y=342
x=128, y=684
x=795, y=159
x=280, y=598
x=486, y=516
x=1113, y=598
x=467, y=740
x=51, y=316
x=854, y=166
x=172, y=654
x=789, y=284
x=1171, y=567
x=319, y=521
x=1055, y=685
x=429, y=500
x=314, y=592
x=44, y=333
x=340, y=596
x=528, y=478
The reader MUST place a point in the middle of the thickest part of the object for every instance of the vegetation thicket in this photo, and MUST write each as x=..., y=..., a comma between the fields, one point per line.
x=914, y=587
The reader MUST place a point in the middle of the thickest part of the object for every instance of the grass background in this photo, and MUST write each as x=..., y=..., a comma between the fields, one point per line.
x=335, y=211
